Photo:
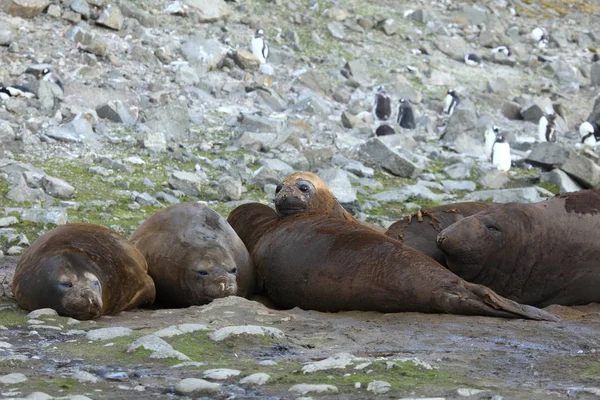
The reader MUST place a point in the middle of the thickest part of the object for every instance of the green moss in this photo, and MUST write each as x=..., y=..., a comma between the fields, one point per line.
x=10, y=317
x=593, y=370
x=550, y=187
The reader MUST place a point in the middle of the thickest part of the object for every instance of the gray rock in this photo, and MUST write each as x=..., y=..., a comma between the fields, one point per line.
x=518, y=195
x=357, y=168
x=273, y=99
x=547, y=155
x=595, y=114
x=423, y=16
x=257, y=123
x=389, y=26
x=246, y=60
x=277, y=165
x=562, y=180
x=458, y=171
x=220, y=374
x=84, y=377
x=377, y=153
x=204, y=54
x=313, y=105
x=264, y=176
x=257, y=379
x=24, y=8
x=111, y=17
x=154, y=141
x=57, y=187
x=360, y=71
x=172, y=119
x=49, y=95
x=511, y=110
x=159, y=348
x=176, y=330
x=418, y=191
x=229, y=189
x=77, y=131
x=350, y=121
x=340, y=185
x=595, y=74
x=145, y=199
x=162, y=196
x=224, y=333
x=462, y=122
x=116, y=111
x=189, y=183
x=5, y=38
x=315, y=81
x=582, y=169
x=8, y=221
x=452, y=186
x=23, y=193
x=81, y=7
x=186, y=76
x=336, y=29
x=7, y=134
x=108, y=333
x=304, y=388
x=454, y=47
x=563, y=72
x=196, y=387
x=14, y=250
x=379, y=387
x=51, y=215
x=493, y=179
x=42, y=312
x=532, y=113
x=115, y=164
x=210, y=10
x=498, y=85
x=12, y=379
x=131, y=10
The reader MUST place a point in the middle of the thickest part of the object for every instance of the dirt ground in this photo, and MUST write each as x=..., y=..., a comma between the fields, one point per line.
x=419, y=355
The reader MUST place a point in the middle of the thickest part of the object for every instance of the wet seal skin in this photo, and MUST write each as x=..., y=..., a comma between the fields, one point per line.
x=538, y=254
x=194, y=256
x=82, y=271
x=326, y=264
x=420, y=230
x=306, y=193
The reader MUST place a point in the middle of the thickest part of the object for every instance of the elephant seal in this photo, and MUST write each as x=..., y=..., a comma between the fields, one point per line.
x=329, y=264
x=538, y=254
x=82, y=271
x=306, y=193
x=194, y=256
x=420, y=230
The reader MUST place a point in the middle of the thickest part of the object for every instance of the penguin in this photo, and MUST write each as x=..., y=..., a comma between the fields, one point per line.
x=595, y=57
x=546, y=128
x=382, y=107
x=501, y=154
x=502, y=49
x=15, y=91
x=472, y=60
x=406, y=116
x=490, y=138
x=384, y=130
x=451, y=102
x=48, y=75
x=590, y=133
x=259, y=46
x=540, y=36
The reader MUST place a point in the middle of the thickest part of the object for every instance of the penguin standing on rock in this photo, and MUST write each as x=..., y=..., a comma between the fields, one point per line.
x=47, y=75
x=472, y=60
x=490, y=138
x=501, y=154
x=590, y=133
x=7, y=92
x=406, y=116
x=382, y=107
x=451, y=102
x=540, y=36
x=547, y=128
x=259, y=47
x=502, y=49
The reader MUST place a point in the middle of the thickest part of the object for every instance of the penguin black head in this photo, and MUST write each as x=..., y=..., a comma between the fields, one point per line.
x=44, y=72
x=451, y=92
x=402, y=100
x=259, y=33
x=501, y=139
x=495, y=129
x=380, y=89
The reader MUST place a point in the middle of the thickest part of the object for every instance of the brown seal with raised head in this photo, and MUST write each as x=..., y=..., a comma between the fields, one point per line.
x=328, y=264
x=194, y=256
x=539, y=254
x=306, y=193
x=420, y=230
x=82, y=271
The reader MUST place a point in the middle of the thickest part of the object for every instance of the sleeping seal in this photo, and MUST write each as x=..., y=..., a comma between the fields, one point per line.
x=538, y=254
x=82, y=271
x=326, y=264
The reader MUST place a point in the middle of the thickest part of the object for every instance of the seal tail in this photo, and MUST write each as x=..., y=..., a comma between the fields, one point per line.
x=484, y=301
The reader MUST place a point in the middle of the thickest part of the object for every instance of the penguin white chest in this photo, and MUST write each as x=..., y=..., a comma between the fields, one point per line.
x=501, y=156
x=259, y=49
x=542, y=125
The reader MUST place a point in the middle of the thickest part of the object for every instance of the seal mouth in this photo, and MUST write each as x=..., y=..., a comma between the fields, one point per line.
x=286, y=210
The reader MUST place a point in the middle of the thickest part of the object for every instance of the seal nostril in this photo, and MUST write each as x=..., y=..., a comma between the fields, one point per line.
x=440, y=239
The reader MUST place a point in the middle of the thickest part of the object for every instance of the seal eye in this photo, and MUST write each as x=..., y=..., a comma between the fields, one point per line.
x=66, y=284
x=233, y=271
x=303, y=188
x=203, y=273
x=278, y=188
x=492, y=228
x=96, y=284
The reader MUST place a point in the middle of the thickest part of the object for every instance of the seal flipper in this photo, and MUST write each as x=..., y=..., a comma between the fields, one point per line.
x=486, y=301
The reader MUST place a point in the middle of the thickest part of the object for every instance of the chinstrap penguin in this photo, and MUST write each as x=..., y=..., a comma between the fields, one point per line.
x=406, y=117
x=259, y=47
x=502, y=49
x=382, y=106
x=384, y=130
x=547, y=128
x=490, y=138
x=451, y=102
x=15, y=91
x=501, y=154
x=590, y=133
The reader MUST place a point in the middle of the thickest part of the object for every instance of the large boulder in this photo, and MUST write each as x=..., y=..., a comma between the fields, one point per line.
x=375, y=152
x=24, y=8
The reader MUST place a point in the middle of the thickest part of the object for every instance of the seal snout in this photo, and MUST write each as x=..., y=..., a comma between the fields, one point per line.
x=83, y=303
x=440, y=239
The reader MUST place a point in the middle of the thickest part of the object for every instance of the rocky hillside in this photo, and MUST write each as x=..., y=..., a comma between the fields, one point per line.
x=163, y=103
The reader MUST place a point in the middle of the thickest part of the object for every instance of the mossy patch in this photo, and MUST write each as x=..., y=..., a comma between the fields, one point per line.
x=10, y=317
